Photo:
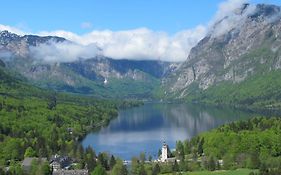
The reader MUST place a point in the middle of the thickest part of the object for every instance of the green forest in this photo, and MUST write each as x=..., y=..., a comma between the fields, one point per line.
x=260, y=92
x=40, y=123
x=253, y=145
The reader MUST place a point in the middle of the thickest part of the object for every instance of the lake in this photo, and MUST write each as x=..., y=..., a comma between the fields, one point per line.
x=144, y=128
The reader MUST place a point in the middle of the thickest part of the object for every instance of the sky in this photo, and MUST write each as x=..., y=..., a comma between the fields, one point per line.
x=173, y=25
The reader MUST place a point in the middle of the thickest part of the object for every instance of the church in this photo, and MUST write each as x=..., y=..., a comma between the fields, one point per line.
x=164, y=154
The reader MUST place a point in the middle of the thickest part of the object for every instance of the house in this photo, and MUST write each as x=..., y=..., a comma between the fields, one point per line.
x=61, y=164
x=71, y=172
x=58, y=162
x=220, y=162
x=70, y=131
x=55, y=165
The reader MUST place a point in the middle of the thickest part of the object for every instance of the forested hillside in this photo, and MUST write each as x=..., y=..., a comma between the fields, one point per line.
x=40, y=123
x=252, y=144
x=259, y=92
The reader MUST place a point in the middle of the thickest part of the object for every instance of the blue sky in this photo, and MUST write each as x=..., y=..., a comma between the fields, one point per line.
x=83, y=16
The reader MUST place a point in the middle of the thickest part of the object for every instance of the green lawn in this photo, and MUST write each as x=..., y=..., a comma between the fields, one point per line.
x=221, y=172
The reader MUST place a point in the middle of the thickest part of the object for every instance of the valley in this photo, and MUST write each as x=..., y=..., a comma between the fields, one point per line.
x=74, y=103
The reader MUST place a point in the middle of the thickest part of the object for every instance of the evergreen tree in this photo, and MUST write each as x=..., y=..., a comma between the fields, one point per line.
x=1, y=169
x=52, y=102
x=200, y=146
x=90, y=158
x=180, y=150
x=142, y=157
x=156, y=169
x=112, y=162
x=150, y=158
x=142, y=170
x=29, y=152
x=263, y=169
x=183, y=166
x=46, y=170
x=175, y=166
x=15, y=169
x=212, y=164
x=102, y=158
x=119, y=168
x=99, y=170
x=255, y=161
x=134, y=165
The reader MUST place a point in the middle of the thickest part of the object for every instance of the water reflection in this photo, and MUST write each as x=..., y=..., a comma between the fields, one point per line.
x=143, y=129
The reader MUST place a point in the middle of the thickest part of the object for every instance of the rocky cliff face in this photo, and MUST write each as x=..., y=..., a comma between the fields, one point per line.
x=102, y=67
x=250, y=45
x=19, y=45
x=100, y=76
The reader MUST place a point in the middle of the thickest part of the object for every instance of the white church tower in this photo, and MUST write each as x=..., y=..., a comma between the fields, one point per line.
x=164, y=155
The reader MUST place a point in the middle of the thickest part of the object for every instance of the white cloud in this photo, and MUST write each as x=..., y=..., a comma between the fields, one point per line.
x=140, y=43
x=227, y=8
x=229, y=16
x=11, y=29
x=4, y=54
x=63, y=52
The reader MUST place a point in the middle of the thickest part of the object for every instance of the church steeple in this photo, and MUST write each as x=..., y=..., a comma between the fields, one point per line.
x=164, y=155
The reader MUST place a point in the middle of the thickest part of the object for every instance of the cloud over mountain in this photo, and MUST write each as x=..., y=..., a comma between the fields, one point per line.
x=11, y=29
x=140, y=43
x=63, y=51
x=231, y=14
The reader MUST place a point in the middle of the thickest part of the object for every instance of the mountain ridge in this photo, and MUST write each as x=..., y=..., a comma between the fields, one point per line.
x=99, y=75
x=229, y=54
x=250, y=47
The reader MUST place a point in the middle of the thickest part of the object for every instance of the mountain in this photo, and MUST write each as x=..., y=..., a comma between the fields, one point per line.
x=99, y=76
x=238, y=62
x=19, y=45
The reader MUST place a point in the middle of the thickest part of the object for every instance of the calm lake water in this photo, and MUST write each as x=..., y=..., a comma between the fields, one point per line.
x=144, y=128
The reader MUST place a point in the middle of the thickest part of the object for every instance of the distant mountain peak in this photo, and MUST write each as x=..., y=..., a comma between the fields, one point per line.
x=6, y=37
x=242, y=9
x=239, y=45
x=7, y=33
x=267, y=10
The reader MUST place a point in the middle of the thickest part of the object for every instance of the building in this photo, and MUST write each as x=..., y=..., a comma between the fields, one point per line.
x=164, y=155
x=55, y=165
x=220, y=162
x=61, y=166
x=58, y=162
x=71, y=172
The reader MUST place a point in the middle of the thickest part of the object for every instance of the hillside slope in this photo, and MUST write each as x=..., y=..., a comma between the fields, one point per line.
x=40, y=123
x=240, y=64
x=99, y=75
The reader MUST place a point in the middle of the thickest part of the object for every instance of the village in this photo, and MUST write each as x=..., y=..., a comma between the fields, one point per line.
x=65, y=165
